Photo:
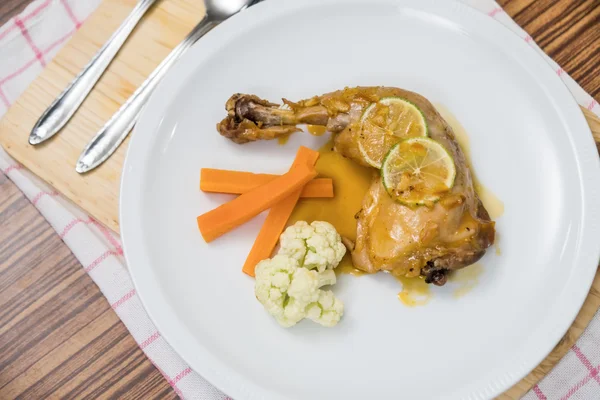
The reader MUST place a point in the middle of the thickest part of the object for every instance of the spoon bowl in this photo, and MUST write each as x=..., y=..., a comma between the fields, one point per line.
x=220, y=10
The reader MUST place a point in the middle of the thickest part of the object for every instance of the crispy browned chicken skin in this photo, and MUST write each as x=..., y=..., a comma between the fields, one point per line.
x=407, y=241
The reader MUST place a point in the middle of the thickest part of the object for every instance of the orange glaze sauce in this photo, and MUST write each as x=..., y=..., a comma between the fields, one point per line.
x=415, y=292
x=350, y=183
x=316, y=130
x=466, y=279
x=492, y=203
x=283, y=139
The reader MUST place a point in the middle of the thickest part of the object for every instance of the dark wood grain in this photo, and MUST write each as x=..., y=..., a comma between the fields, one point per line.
x=8, y=8
x=59, y=338
x=568, y=31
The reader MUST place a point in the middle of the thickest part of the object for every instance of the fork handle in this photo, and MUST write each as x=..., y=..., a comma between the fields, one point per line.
x=117, y=128
x=64, y=106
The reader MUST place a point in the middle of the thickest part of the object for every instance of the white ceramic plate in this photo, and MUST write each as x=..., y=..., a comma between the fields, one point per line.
x=530, y=145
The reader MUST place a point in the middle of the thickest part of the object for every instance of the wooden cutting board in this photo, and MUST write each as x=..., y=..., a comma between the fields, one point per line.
x=98, y=192
x=165, y=25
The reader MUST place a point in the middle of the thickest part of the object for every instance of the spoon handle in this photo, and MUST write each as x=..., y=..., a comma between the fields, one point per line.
x=64, y=106
x=117, y=128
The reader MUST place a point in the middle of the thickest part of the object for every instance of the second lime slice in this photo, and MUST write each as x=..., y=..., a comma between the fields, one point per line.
x=418, y=171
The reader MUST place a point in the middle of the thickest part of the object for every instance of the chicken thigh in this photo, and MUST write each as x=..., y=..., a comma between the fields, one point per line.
x=406, y=240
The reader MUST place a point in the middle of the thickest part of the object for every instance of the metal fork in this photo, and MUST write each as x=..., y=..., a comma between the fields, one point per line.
x=62, y=109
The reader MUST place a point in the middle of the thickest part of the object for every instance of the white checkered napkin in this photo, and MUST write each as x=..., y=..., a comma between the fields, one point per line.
x=29, y=41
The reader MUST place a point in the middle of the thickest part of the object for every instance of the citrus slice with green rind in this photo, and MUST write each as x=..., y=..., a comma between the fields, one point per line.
x=385, y=123
x=418, y=171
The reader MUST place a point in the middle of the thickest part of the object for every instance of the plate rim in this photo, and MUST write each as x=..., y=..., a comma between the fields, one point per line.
x=586, y=162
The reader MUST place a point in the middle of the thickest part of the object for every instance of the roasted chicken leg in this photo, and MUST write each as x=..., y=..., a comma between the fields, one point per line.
x=427, y=240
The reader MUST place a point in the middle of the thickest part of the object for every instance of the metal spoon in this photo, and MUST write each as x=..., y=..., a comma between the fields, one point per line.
x=108, y=139
x=62, y=109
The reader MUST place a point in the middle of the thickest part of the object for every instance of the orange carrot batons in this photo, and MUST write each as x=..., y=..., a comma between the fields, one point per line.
x=278, y=216
x=243, y=208
x=238, y=182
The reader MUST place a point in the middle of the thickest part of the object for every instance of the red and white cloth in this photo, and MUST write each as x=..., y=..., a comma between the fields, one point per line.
x=29, y=41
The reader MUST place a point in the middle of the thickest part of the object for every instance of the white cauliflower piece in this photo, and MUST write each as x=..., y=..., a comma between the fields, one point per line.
x=286, y=291
x=306, y=284
x=327, y=310
x=315, y=246
x=273, y=279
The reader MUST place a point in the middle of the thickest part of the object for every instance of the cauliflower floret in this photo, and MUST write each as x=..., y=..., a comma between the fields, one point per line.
x=306, y=284
x=315, y=246
x=273, y=279
x=286, y=291
x=289, y=284
x=327, y=310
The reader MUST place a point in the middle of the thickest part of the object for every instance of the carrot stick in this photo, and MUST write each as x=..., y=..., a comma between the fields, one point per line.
x=278, y=216
x=238, y=182
x=243, y=208
x=320, y=187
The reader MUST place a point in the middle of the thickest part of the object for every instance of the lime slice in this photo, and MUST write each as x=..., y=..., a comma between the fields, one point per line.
x=385, y=123
x=417, y=171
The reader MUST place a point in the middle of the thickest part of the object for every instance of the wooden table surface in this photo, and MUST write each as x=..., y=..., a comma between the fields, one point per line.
x=59, y=337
